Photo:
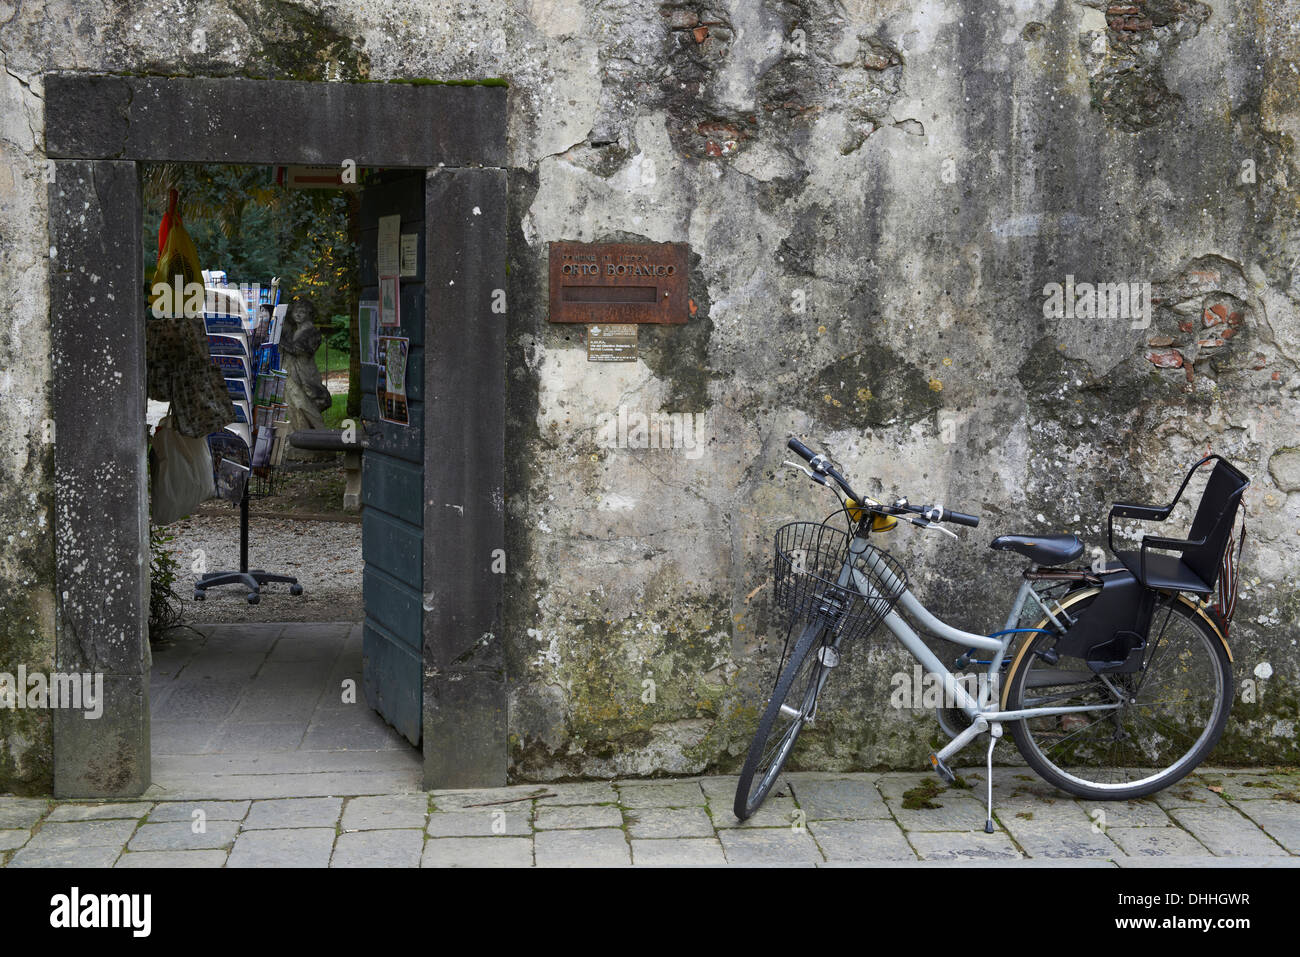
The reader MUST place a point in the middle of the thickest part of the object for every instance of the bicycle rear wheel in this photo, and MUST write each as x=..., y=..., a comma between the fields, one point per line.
x=1171, y=714
x=792, y=702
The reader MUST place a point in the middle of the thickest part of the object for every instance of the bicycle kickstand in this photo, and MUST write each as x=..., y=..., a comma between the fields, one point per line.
x=995, y=732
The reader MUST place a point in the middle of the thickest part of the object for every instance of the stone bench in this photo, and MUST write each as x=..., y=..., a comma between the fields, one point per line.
x=331, y=440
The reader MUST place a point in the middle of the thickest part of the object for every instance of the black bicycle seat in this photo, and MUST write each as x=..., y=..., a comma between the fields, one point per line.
x=1042, y=549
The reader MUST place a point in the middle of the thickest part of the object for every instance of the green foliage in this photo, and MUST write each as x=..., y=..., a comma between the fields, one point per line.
x=337, y=412
x=164, y=603
x=340, y=340
x=329, y=359
x=244, y=223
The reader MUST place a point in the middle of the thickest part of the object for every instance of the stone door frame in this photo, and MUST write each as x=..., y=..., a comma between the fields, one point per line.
x=99, y=129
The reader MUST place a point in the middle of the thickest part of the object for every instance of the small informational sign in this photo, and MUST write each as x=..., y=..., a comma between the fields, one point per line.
x=611, y=342
x=389, y=253
x=390, y=316
x=367, y=321
x=619, y=282
x=390, y=388
x=317, y=177
x=410, y=247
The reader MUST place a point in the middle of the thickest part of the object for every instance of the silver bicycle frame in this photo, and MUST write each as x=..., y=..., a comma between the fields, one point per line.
x=984, y=710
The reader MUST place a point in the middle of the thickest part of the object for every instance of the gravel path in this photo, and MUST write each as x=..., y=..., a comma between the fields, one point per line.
x=324, y=556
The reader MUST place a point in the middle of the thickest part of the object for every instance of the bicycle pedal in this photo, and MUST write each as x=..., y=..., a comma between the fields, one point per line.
x=942, y=769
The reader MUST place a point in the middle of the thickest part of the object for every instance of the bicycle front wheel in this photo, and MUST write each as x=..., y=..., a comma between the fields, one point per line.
x=792, y=703
x=1170, y=715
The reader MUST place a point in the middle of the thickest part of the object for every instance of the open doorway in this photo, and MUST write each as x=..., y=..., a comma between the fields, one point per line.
x=257, y=619
x=443, y=683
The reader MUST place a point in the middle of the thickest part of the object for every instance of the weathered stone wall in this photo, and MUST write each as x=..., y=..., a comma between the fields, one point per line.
x=876, y=195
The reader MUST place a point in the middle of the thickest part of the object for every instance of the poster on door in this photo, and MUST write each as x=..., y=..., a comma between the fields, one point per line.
x=390, y=317
x=393, y=352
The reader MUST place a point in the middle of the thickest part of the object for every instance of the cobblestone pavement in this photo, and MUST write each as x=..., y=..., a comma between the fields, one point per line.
x=1215, y=818
x=259, y=761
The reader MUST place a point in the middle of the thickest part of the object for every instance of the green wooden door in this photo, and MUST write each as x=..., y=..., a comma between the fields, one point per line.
x=392, y=490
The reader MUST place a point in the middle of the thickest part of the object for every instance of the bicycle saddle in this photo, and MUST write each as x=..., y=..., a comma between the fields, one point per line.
x=1042, y=549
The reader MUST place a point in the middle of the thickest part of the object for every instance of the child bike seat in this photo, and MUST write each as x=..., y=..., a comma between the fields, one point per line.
x=1042, y=549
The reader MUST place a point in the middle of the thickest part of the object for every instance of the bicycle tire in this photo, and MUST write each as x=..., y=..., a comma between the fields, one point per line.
x=1076, y=780
x=748, y=802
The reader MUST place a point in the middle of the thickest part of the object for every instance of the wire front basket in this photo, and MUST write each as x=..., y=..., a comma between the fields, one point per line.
x=805, y=578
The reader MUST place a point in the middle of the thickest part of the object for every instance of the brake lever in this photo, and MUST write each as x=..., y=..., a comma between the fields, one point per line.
x=922, y=523
x=806, y=471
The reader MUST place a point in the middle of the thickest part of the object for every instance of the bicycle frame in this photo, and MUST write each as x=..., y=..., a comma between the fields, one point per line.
x=984, y=711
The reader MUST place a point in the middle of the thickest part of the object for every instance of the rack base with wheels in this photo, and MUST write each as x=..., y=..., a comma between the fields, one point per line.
x=252, y=579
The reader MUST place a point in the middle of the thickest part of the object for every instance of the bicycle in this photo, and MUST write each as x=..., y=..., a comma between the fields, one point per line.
x=1099, y=702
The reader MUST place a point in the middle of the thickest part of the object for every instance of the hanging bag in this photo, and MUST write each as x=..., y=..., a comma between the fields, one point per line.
x=182, y=477
x=179, y=369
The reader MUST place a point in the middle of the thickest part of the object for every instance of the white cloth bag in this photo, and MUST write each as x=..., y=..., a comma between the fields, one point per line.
x=182, y=476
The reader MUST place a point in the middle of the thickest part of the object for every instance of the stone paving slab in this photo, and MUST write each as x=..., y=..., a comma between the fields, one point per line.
x=1227, y=832
x=385, y=811
x=509, y=820
x=769, y=846
x=151, y=859
x=478, y=852
x=1063, y=837
x=604, y=847
x=82, y=834
x=21, y=812
x=657, y=794
x=100, y=812
x=1156, y=842
x=299, y=847
x=678, y=852
x=963, y=845
x=493, y=797
x=843, y=798
x=775, y=812
x=1200, y=862
x=1143, y=813
x=578, y=815
x=861, y=841
x=74, y=856
x=721, y=791
x=585, y=792
x=663, y=822
x=381, y=848
x=1188, y=793
x=212, y=811
x=1279, y=819
x=812, y=819
x=232, y=787
x=181, y=836
x=953, y=810
x=294, y=812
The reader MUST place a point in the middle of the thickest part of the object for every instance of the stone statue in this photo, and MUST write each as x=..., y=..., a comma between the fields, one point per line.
x=304, y=392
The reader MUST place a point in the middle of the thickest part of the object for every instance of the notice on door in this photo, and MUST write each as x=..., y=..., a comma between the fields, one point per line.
x=611, y=342
x=391, y=385
x=389, y=254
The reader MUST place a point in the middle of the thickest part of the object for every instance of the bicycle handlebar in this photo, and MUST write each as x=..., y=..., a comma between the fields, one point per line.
x=957, y=518
x=931, y=513
x=801, y=450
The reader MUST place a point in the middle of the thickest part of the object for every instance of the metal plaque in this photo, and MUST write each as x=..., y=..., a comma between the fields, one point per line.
x=611, y=343
x=619, y=282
